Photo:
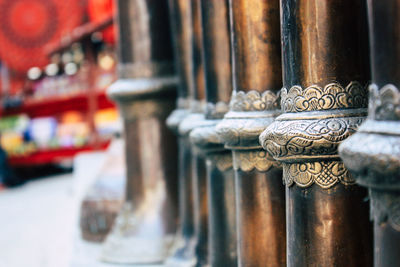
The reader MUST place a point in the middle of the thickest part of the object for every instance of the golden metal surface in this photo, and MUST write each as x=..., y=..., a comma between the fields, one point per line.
x=253, y=106
x=145, y=94
x=183, y=249
x=324, y=97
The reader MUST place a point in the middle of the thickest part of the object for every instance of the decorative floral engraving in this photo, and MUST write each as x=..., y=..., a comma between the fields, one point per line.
x=223, y=161
x=374, y=158
x=254, y=101
x=249, y=160
x=243, y=132
x=384, y=103
x=385, y=207
x=216, y=111
x=324, y=173
x=332, y=96
x=205, y=137
x=299, y=138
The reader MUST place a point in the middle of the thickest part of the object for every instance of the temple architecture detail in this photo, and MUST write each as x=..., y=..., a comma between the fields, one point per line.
x=323, y=100
x=254, y=104
x=373, y=154
x=145, y=93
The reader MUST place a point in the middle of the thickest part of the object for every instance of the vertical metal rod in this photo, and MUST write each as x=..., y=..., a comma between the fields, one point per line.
x=372, y=154
x=324, y=100
x=197, y=180
x=182, y=252
x=257, y=76
x=145, y=93
x=220, y=180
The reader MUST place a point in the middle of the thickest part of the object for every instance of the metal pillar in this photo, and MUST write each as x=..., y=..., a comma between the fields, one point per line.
x=257, y=76
x=373, y=153
x=220, y=179
x=183, y=251
x=145, y=93
x=196, y=179
x=324, y=99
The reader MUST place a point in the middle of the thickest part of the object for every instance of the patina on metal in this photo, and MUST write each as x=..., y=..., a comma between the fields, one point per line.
x=220, y=178
x=196, y=179
x=145, y=93
x=324, y=98
x=257, y=75
x=182, y=253
x=373, y=153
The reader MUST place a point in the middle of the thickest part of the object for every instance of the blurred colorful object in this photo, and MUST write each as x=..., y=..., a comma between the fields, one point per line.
x=28, y=26
x=42, y=131
x=99, y=10
x=13, y=130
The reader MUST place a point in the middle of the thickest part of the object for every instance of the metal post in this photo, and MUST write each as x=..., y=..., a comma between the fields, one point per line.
x=183, y=251
x=324, y=99
x=220, y=179
x=196, y=180
x=257, y=76
x=145, y=93
x=373, y=153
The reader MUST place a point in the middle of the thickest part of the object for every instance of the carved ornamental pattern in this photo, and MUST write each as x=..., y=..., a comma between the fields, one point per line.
x=249, y=160
x=250, y=113
x=385, y=207
x=324, y=173
x=332, y=96
x=254, y=101
x=307, y=142
x=216, y=111
x=295, y=139
x=384, y=103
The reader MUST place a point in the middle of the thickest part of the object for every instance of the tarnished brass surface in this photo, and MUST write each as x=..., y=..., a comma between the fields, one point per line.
x=143, y=231
x=201, y=207
x=221, y=196
x=217, y=56
x=144, y=46
x=183, y=250
x=373, y=153
x=182, y=253
x=195, y=252
x=145, y=93
x=215, y=35
x=325, y=73
x=180, y=17
x=223, y=248
x=261, y=218
x=197, y=181
x=197, y=79
x=253, y=106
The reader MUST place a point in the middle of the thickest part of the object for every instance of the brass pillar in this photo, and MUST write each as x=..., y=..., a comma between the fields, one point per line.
x=182, y=251
x=196, y=179
x=145, y=93
x=257, y=76
x=220, y=178
x=324, y=99
x=373, y=153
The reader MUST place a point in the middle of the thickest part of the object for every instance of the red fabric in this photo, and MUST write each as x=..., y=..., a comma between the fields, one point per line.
x=99, y=10
x=27, y=26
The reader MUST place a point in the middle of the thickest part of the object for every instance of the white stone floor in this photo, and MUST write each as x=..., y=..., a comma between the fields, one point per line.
x=39, y=221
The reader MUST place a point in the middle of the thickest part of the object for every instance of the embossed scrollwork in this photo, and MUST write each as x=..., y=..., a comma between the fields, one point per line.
x=307, y=135
x=373, y=154
x=324, y=173
x=332, y=96
x=248, y=160
x=254, y=101
x=223, y=161
x=303, y=138
x=384, y=103
x=385, y=207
